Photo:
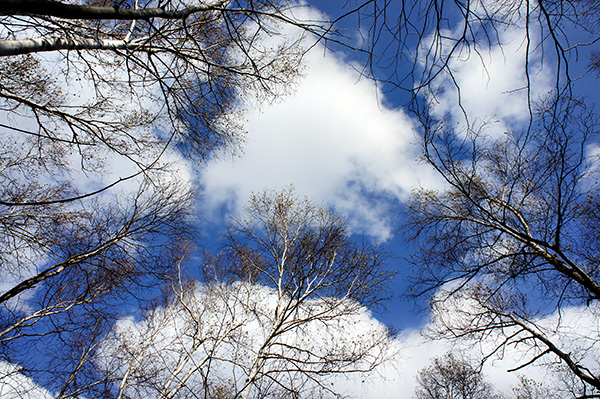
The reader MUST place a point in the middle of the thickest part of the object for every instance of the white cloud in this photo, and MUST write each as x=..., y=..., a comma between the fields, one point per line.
x=15, y=385
x=161, y=338
x=574, y=330
x=333, y=141
x=493, y=79
x=240, y=313
x=337, y=143
x=213, y=334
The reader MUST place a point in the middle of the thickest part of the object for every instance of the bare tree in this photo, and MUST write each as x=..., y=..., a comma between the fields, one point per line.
x=320, y=276
x=511, y=238
x=287, y=323
x=144, y=67
x=53, y=319
x=452, y=378
x=510, y=243
x=530, y=389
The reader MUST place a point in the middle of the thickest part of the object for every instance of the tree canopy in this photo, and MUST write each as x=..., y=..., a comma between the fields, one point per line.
x=108, y=109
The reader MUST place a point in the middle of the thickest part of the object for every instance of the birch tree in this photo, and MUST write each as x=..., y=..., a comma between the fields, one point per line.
x=320, y=276
x=450, y=378
x=286, y=323
x=144, y=66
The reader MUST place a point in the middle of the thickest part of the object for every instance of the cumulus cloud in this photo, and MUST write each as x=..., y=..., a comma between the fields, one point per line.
x=234, y=318
x=333, y=141
x=211, y=335
x=575, y=329
x=230, y=322
x=15, y=385
x=338, y=143
x=492, y=83
x=462, y=322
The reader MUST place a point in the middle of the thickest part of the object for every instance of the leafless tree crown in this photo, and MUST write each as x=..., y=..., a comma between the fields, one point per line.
x=101, y=103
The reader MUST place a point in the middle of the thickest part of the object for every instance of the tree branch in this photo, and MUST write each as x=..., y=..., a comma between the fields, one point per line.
x=37, y=45
x=51, y=8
